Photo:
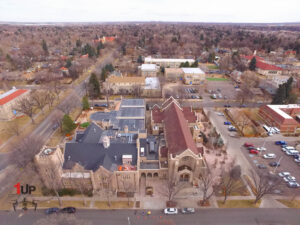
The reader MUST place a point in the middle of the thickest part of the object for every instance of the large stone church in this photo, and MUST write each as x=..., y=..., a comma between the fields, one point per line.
x=102, y=157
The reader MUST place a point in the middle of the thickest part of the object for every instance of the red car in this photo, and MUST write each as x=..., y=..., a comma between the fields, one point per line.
x=253, y=151
x=248, y=145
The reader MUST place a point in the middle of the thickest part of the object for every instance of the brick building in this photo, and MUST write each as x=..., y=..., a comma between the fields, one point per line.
x=283, y=117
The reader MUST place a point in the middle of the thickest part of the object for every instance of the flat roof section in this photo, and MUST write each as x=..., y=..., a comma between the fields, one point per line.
x=192, y=70
x=133, y=102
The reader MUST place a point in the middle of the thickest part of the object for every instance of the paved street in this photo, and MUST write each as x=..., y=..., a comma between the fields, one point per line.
x=201, y=217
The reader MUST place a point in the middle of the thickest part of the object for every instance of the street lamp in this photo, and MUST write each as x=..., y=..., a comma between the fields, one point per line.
x=278, y=163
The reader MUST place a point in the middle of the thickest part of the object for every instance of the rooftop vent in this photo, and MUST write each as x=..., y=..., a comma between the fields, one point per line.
x=106, y=141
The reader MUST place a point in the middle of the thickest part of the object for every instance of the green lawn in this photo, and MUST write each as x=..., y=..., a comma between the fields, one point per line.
x=216, y=79
x=212, y=67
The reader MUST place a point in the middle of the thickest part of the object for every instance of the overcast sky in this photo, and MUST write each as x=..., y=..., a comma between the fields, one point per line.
x=150, y=10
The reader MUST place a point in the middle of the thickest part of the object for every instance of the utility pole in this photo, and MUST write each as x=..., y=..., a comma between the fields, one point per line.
x=278, y=163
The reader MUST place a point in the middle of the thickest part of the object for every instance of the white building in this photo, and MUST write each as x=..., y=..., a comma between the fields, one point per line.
x=149, y=70
x=167, y=62
x=193, y=76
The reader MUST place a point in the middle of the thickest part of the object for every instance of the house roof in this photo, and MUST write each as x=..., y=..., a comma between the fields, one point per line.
x=249, y=57
x=10, y=95
x=265, y=66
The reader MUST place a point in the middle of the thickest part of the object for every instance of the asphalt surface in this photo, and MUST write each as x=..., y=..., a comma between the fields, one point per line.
x=201, y=217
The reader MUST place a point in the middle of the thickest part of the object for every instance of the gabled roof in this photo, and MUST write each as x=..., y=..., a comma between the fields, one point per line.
x=249, y=57
x=265, y=66
x=10, y=95
x=177, y=132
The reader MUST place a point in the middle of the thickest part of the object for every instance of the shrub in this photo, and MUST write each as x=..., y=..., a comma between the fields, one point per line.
x=84, y=125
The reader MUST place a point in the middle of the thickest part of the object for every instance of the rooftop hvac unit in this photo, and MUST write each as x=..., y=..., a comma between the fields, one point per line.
x=48, y=151
x=127, y=159
x=142, y=151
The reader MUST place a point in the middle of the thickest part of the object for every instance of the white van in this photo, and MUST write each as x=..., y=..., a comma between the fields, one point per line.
x=292, y=152
x=266, y=128
x=289, y=148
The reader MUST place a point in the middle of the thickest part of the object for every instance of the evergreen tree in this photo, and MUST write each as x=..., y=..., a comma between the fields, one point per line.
x=69, y=63
x=78, y=43
x=94, y=86
x=284, y=93
x=88, y=49
x=85, y=103
x=140, y=59
x=67, y=124
x=252, y=64
x=211, y=57
x=195, y=64
x=44, y=46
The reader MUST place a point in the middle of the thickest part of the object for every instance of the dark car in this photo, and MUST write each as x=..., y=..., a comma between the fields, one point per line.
x=274, y=164
x=243, y=106
x=97, y=105
x=296, y=156
x=68, y=210
x=246, y=144
x=280, y=143
x=251, y=148
x=227, y=123
x=188, y=210
x=261, y=166
x=52, y=210
x=227, y=106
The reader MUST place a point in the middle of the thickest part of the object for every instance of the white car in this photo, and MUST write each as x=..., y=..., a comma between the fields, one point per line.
x=283, y=174
x=220, y=114
x=289, y=179
x=269, y=156
x=170, y=211
x=261, y=149
x=297, y=160
x=293, y=184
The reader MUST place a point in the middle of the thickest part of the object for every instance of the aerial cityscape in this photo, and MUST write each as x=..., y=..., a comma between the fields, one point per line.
x=138, y=114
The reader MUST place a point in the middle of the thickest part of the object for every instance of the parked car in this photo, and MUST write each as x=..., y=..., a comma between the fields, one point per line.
x=170, y=211
x=261, y=149
x=292, y=152
x=227, y=106
x=188, y=210
x=51, y=210
x=231, y=128
x=261, y=166
x=289, y=179
x=283, y=174
x=220, y=114
x=296, y=156
x=297, y=160
x=253, y=151
x=243, y=106
x=251, y=147
x=68, y=210
x=227, y=123
x=274, y=164
x=269, y=156
x=280, y=143
x=293, y=184
x=246, y=144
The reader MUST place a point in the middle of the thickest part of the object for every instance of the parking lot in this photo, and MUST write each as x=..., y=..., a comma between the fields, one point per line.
x=287, y=163
x=225, y=88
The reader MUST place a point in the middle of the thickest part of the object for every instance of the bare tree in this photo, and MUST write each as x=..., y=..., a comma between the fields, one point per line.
x=206, y=182
x=57, y=119
x=228, y=183
x=108, y=188
x=40, y=99
x=264, y=183
x=50, y=96
x=69, y=104
x=24, y=151
x=136, y=90
x=129, y=189
x=25, y=106
x=56, y=88
x=62, y=219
